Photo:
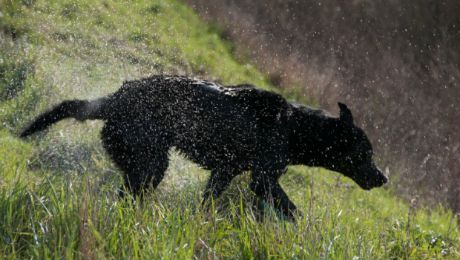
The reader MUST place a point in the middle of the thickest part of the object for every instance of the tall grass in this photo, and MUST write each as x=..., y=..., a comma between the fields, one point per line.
x=48, y=214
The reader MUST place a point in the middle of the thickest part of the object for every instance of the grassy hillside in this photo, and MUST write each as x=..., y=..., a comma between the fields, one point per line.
x=57, y=190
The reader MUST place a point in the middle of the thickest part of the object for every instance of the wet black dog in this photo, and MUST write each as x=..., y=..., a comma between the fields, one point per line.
x=227, y=130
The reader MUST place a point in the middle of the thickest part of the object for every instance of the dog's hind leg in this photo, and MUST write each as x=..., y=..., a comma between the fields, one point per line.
x=145, y=172
x=143, y=163
x=217, y=183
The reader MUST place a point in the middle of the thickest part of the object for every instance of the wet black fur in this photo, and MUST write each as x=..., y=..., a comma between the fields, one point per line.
x=227, y=130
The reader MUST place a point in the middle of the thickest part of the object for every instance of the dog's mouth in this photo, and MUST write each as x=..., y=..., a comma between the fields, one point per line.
x=370, y=184
x=371, y=179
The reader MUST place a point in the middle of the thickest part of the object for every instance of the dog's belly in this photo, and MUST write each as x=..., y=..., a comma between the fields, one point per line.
x=210, y=157
x=227, y=144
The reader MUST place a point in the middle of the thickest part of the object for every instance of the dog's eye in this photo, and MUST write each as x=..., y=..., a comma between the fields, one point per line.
x=369, y=155
x=357, y=158
x=349, y=159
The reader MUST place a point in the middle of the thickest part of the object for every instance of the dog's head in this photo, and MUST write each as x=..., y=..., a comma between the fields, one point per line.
x=350, y=153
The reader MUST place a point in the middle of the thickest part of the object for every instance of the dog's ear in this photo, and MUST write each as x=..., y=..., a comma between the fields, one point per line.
x=345, y=114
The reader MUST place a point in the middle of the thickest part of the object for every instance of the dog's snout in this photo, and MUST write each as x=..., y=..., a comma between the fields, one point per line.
x=385, y=179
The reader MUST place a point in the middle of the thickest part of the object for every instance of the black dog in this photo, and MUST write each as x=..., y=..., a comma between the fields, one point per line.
x=227, y=130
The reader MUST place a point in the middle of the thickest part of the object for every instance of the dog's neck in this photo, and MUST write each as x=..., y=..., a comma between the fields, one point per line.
x=308, y=130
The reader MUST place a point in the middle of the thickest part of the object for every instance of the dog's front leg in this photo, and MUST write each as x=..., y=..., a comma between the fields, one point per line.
x=265, y=185
x=217, y=183
x=271, y=158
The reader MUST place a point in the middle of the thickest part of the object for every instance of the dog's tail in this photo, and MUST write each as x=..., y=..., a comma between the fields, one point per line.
x=78, y=109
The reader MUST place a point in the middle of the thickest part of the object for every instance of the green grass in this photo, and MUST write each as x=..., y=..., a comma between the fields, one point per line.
x=58, y=189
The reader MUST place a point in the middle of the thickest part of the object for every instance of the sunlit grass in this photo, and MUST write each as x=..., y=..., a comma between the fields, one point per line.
x=58, y=189
x=48, y=214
